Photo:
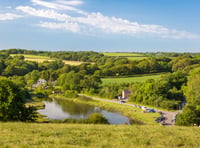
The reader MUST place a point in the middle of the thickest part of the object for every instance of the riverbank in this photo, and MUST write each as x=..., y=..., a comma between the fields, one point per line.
x=136, y=114
x=37, y=135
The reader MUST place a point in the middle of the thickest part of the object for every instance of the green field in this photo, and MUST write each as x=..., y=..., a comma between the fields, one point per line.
x=130, y=56
x=129, y=79
x=26, y=135
x=122, y=54
x=40, y=59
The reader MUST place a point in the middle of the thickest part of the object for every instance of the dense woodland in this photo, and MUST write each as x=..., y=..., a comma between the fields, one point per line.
x=178, y=85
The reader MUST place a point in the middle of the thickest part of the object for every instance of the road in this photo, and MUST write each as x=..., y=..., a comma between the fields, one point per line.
x=169, y=116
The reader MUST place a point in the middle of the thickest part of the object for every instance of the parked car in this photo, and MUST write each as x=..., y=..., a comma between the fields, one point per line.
x=145, y=108
x=152, y=111
x=122, y=101
x=159, y=119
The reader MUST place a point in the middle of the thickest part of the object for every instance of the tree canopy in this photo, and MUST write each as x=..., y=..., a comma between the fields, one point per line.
x=12, y=99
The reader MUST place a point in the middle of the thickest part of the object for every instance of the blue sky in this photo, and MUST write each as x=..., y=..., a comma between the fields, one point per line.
x=101, y=25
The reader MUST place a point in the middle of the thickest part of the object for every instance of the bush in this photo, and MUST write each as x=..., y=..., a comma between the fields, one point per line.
x=97, y=118
x=189, y=116
x=71, y=94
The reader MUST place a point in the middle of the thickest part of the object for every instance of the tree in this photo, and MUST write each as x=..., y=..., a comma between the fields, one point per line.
x=180, y=63
x=192, y=90
x=12, y=100
x=189, y=116
x=191, y=113
x=70, y=81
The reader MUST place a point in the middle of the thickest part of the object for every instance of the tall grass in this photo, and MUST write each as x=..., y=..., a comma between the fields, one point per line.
x=27, y=135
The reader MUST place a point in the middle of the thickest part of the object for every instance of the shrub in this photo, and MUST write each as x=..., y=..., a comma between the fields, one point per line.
x=71, y=93
x=97, y=118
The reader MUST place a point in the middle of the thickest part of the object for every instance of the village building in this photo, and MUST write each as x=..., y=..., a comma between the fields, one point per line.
x=125, y=94
x=39, y=82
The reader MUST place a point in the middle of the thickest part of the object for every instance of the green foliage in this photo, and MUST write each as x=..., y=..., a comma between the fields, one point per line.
x=70, y=94
x=112, y=90
x=12, y=100
x=165, y=92
x=97, y=118
x=189, y=116
x=180, y=63
x=70, y=81
x=78, y=81
x=192, y=90
x=51, y=65
x=17, y=66
x=191, y=113
x=32, y=77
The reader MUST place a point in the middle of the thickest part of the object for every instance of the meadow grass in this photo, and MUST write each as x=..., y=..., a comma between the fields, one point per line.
x=137, y=78
x=27, y=135
x=40, y=59
x=73, y=62
x=31, y=56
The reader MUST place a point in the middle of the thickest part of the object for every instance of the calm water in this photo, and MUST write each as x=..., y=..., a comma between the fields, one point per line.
x=62, y=109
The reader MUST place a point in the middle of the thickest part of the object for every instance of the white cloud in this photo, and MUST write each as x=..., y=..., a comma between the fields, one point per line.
x=87, y=22
x=51, y=14
x=103, y=23
x=122, y=26
x=9, y=16
x=60, y=5
x=68, y=26
x=71, y=2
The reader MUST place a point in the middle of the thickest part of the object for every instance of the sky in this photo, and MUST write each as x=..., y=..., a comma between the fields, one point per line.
x=101, y=25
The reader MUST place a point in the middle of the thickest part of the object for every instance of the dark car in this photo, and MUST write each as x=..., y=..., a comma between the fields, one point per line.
x=159, y=119
x=122, y=101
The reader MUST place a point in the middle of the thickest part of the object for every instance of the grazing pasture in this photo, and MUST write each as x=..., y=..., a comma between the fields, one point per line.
x=130, y=56
x=138, y=78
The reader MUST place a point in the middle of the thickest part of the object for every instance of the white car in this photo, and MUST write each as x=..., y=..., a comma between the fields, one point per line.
x=144, y=108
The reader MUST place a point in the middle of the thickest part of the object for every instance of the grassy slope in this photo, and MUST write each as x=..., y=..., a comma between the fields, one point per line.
x=129, y=79
x=40, y=59
x=119, y=136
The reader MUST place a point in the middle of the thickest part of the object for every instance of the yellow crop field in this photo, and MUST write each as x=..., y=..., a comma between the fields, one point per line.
x=40, y=59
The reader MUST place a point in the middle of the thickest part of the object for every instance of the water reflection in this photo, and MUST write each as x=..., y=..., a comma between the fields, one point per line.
x=62, y=109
